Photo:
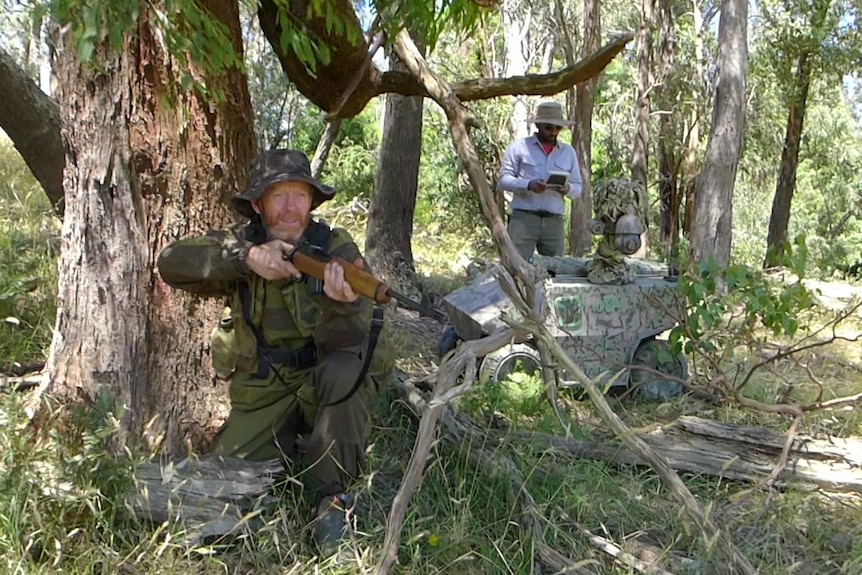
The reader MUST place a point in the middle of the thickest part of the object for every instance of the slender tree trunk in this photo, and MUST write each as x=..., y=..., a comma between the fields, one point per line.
x=667, y=187
x=324, y=146
x=390, y=218
x=580, y=239
x=516, y=28
x=786, y=184
x=640, y=146
x=145, y=164
x=711, y=234
x=667, y=181
x=692, y=145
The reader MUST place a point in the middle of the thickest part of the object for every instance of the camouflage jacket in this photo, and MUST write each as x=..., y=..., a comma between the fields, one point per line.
x=289, y=313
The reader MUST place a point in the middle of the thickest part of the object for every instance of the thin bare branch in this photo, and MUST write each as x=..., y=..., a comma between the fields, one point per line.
x=612, y=549
x=446, y=377
x=494, y=462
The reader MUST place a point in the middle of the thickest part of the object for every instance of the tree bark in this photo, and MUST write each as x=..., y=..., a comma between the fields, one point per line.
x=668, y=167
x=146, y=164
x=786, y=184
x=390, y=218
x=711, y=234
x=580, y=239
x=640, y=146
x=31, y=119
x=692, y=145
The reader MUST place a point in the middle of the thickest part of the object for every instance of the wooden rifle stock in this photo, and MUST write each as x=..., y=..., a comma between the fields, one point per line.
x=360, y=280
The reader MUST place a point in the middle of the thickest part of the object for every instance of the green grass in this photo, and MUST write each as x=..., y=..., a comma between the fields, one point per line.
x=29, y=245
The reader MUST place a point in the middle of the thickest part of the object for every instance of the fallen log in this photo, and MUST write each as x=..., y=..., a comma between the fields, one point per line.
x=212, y=497
x=736, y=452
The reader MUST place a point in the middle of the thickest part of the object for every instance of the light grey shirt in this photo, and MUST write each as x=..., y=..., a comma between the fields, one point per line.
x=525, y=160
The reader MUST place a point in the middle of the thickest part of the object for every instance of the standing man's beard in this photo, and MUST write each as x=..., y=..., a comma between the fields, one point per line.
x=546, y=139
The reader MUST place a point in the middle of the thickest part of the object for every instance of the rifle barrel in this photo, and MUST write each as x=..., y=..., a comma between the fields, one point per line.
x=416, y=306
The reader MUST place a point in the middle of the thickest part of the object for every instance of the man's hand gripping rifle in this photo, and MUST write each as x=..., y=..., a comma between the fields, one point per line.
x=312, y=262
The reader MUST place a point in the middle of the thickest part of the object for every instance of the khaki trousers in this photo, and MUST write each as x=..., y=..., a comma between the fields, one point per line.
x=268, y=416
x=530, y=232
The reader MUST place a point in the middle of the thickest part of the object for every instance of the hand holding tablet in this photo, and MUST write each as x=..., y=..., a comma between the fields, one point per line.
x=558, y=180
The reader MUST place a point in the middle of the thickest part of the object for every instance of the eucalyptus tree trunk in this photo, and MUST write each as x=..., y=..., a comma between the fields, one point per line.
x=692, y=129
x=668, y=184
x=711, y=234
x=786, y=184
x=580, y=239
x=516, y=27
x=145, y=164
x=640, y=146
x=390, y=218
x=805, y=50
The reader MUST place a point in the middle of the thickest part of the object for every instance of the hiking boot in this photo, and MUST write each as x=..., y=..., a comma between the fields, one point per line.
x=330, y=523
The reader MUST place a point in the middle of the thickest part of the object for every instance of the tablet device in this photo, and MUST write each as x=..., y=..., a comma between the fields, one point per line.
x=557, y=179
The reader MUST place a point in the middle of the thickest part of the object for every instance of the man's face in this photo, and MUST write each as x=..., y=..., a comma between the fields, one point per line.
x=547, y=133
x=284, y=208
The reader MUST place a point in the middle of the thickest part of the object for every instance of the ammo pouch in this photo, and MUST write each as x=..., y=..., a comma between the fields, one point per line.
x=222, y=346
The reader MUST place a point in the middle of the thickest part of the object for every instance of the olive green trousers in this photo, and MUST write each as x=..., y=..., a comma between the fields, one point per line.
x=531, y=232
x=269, y=415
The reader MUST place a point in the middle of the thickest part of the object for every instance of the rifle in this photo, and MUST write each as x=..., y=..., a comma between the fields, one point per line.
x=312, y=262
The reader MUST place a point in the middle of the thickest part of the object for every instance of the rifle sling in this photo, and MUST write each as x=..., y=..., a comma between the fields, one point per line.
x=373, y=335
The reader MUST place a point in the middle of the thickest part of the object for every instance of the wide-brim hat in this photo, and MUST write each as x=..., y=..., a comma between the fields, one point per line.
x=275, y=166
x=550, y=113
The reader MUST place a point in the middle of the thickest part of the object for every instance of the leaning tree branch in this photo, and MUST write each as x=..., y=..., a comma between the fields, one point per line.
x=333, y=121
x=374, y=45
x=31, y=119
x=528, y=85
x=458, y=120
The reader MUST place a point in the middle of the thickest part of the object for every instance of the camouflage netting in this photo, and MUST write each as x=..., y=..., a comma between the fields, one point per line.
x=613, y=199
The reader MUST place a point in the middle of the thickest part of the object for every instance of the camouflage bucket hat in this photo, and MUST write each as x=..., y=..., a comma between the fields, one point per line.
x=275, y=166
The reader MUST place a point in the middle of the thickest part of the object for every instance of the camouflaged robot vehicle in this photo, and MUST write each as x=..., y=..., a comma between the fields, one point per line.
x=606, y=311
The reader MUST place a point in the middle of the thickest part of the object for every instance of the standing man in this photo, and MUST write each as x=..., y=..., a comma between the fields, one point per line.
x=301, y=356
x=537, y=207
